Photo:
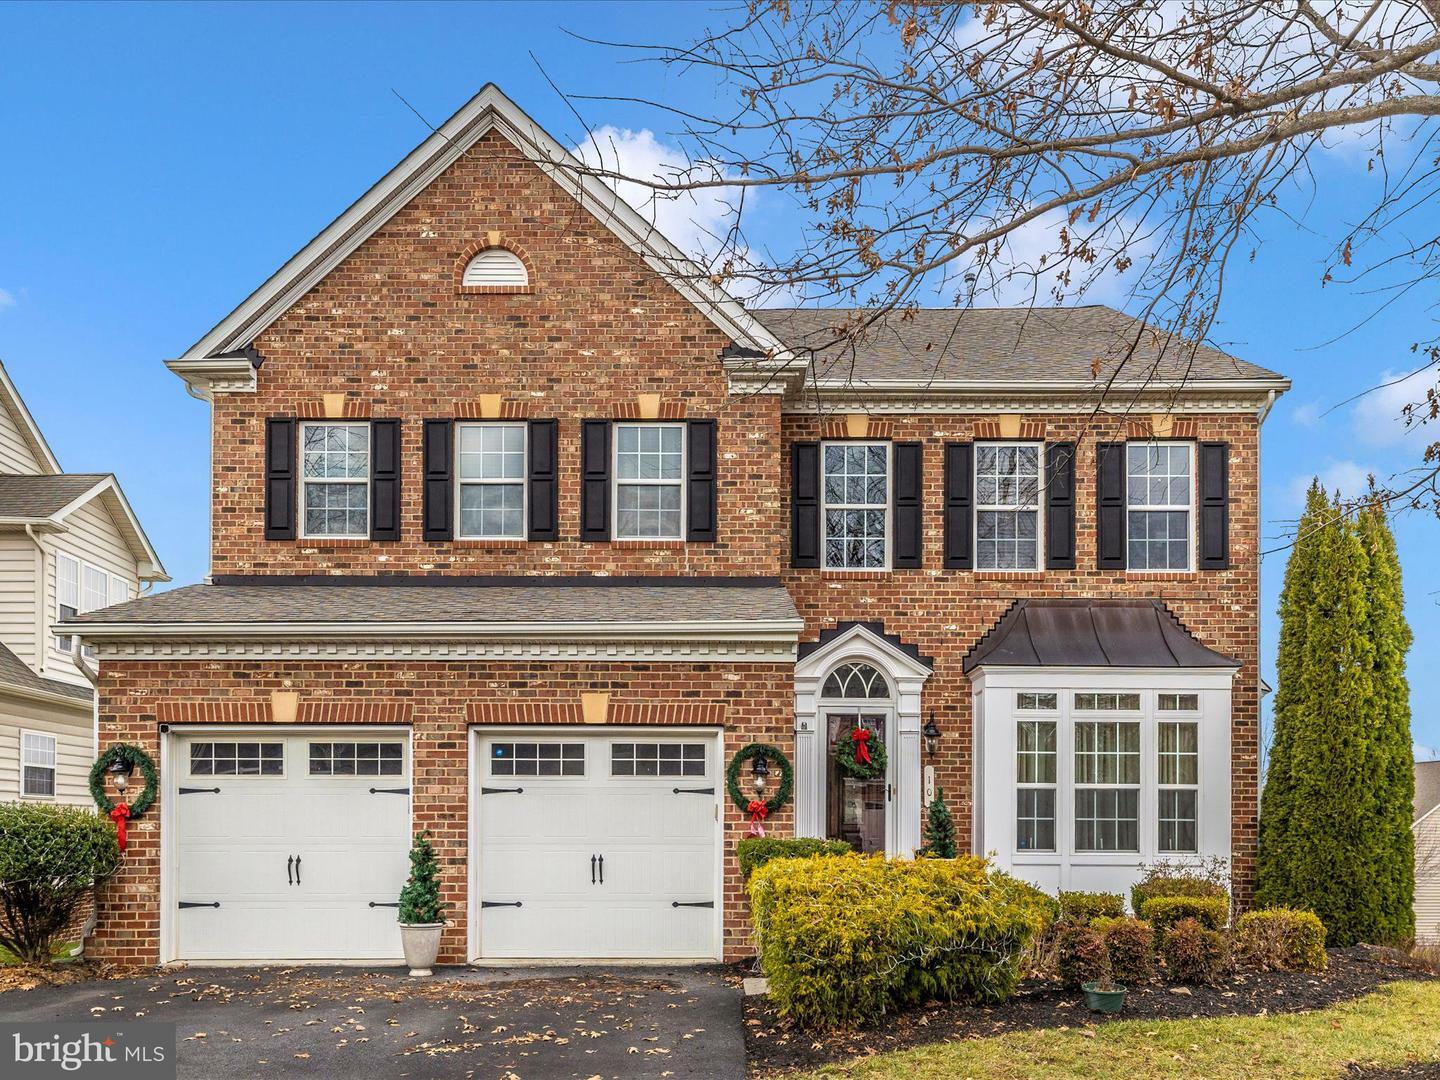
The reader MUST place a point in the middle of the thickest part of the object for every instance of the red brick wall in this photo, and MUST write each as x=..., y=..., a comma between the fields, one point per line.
x=757, y=700
x=945, y=612
x=390, y=329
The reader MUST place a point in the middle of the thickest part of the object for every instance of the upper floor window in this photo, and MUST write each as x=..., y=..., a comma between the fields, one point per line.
x=1007, y=506
x=649, y=481
x=856, y=505
x=496, y=266
x=37, y=765
x=81, y=587
x=1160, y=493
x=492, y=481
x=335, y=472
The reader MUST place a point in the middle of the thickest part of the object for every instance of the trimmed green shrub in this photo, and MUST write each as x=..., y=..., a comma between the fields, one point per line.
x=1085, y=907
x=1130, y=944
x=1081, y=955
x=755, y=851
x=1194, y=954
x=1163, y=912
x=1171, y=881
x=844, y=939
x=939, y=829
x=420, y=898
x=50, y=858
x=1281, y=939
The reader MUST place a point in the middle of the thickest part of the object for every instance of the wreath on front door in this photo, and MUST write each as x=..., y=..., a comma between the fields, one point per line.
x=759, y=809
x=121, y=812
x=861, y=754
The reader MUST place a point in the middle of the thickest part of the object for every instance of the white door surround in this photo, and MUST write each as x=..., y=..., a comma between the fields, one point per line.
x=305, y=859
x=596, y=843
x=907, y=676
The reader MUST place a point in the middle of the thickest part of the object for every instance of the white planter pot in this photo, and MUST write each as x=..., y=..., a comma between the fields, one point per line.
x=421, y=942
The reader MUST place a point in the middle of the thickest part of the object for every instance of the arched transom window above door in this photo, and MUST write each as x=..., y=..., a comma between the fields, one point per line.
x=856, y=682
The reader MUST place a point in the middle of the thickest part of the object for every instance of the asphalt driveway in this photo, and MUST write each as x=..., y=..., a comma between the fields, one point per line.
x=354, y=1023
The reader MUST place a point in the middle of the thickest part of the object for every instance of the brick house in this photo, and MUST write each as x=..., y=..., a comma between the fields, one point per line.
x=522, y=528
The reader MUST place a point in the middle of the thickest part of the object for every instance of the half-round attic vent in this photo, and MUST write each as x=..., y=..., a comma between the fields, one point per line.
x=496, y=266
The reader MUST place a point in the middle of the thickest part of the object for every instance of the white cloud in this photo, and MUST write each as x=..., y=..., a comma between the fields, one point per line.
x=1350, y=478
x=1306, y=415
x=1379, y=415
x=7, y=299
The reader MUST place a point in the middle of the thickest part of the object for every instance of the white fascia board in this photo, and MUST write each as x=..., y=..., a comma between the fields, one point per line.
x=44, y=697
x=1111, y=678
x=1201, y=395
x=31, y=430
x=779, y=630
x=488, y=110
x=149, y=567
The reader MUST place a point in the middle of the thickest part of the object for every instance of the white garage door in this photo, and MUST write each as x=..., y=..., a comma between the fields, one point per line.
x=599, y=846
x=290, y=847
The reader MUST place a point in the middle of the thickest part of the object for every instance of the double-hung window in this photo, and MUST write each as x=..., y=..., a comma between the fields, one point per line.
x=37, y=765
x=1178, y=743
x=81, y=587
x=1035, y=771
x=1160, y=495
x=1007, y=506
x=335, y=475
x=856, y=505
x=649, y=481
x=1107, y=774
x=67, y=595
x=491, y=471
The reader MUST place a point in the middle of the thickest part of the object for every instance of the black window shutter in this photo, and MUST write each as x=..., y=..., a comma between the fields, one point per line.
x=959, y=506
x=1060, y=506
x=544, y=447
x=1214, y=506
x=384, y=479
x=909, y=542
x=280, y=478
x=805, y=504
x=1110, y=506
x=700, y=496
x=595, y=480
x=439, y=463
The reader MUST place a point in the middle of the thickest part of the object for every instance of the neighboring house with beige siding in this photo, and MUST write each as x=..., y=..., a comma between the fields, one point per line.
x=69, y=542
x=1427, y=850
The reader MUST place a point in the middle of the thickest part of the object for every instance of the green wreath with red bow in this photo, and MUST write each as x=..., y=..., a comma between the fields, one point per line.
x=759, y=809
x=861, y=754
x=120, y=812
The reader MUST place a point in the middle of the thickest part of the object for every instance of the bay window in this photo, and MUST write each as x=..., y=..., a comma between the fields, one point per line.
x=855, y=492
x=1035, y=774
x=1107, y=785
x=1178, y=773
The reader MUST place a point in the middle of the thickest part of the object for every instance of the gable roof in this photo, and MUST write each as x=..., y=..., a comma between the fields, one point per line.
x=1427, y=787
x=41, y=497
x=489, y=110
x=15, y=674
x=979, y=345
x=12, y=401
x=1092, y=633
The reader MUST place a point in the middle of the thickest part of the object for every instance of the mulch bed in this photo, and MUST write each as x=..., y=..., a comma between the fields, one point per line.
x=773, y=1045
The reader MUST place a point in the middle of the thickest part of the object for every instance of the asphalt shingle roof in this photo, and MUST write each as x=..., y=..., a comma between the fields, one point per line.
x=15, y=672
x=28, y=496
x=1427, y=787
x=1083, y=344
x=524, y=600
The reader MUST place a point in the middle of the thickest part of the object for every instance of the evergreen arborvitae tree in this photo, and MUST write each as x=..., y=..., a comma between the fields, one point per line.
x=939, y=829
x=1335, y=818
x=420, y=898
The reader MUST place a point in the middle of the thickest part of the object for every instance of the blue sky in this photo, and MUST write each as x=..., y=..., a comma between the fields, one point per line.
x=158, y=162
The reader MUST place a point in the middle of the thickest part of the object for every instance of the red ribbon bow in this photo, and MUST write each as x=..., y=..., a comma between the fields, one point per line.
x=118, y=815
x=758, y=812
x=862, y=752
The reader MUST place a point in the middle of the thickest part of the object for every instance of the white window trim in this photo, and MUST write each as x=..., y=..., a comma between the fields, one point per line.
x=1192, y=509
x=1037, y=716
x=889, y=509
x=1114, y=717
x=1038, y=507
x=65, y=643
x=523, y=481
x=616, y=483
x=54, y=766
x=306, y=534
x=1193, y=718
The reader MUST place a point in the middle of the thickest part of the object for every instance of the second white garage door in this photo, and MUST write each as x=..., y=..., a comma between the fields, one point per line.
x=598, y=846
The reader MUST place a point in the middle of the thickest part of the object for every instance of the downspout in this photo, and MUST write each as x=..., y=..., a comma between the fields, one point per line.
x=40, y=605
x=1260, y=416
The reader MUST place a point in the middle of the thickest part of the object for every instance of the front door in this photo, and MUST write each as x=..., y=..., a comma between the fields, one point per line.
x=856, y=811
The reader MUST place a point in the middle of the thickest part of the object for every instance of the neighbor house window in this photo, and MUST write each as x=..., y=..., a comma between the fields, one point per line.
x=335, y=471
x=37, y=765
x=67, y=595
x=856, y=493
x=1159, y=494
x=649, y=481
x=1107, y=785
x=492, y=481
x=1007, y=506
x=1179, y=777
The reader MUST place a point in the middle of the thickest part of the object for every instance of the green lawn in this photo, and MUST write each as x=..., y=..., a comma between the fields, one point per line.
x=58, y=952
x=1395, y=1025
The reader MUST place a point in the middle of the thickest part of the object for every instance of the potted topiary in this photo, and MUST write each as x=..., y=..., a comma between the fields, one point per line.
x=1104, y=995
x=421, y=912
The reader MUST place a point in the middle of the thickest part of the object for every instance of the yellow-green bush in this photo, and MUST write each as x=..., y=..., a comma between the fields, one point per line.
x=844, y=939
x=1086, y=907
x=755, y=851
x=1163, y=912
x=1281, y=938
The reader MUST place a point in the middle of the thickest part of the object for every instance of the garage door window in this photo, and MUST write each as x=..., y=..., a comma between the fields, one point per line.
x=537, y=759
x=657, y=759
x=237, y=759
x=356, y=759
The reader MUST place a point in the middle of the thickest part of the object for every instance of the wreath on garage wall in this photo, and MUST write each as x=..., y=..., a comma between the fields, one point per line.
x=861, y=754
x=134, y=758
x=759, y=809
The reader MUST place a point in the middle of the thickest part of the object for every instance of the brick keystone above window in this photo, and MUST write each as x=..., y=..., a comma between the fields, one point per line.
x=509, y=410
x=630, y=410
x=1185, y=428
x=354, y=409
x=1031, y=430
x=258, y=712
x=839, y=428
